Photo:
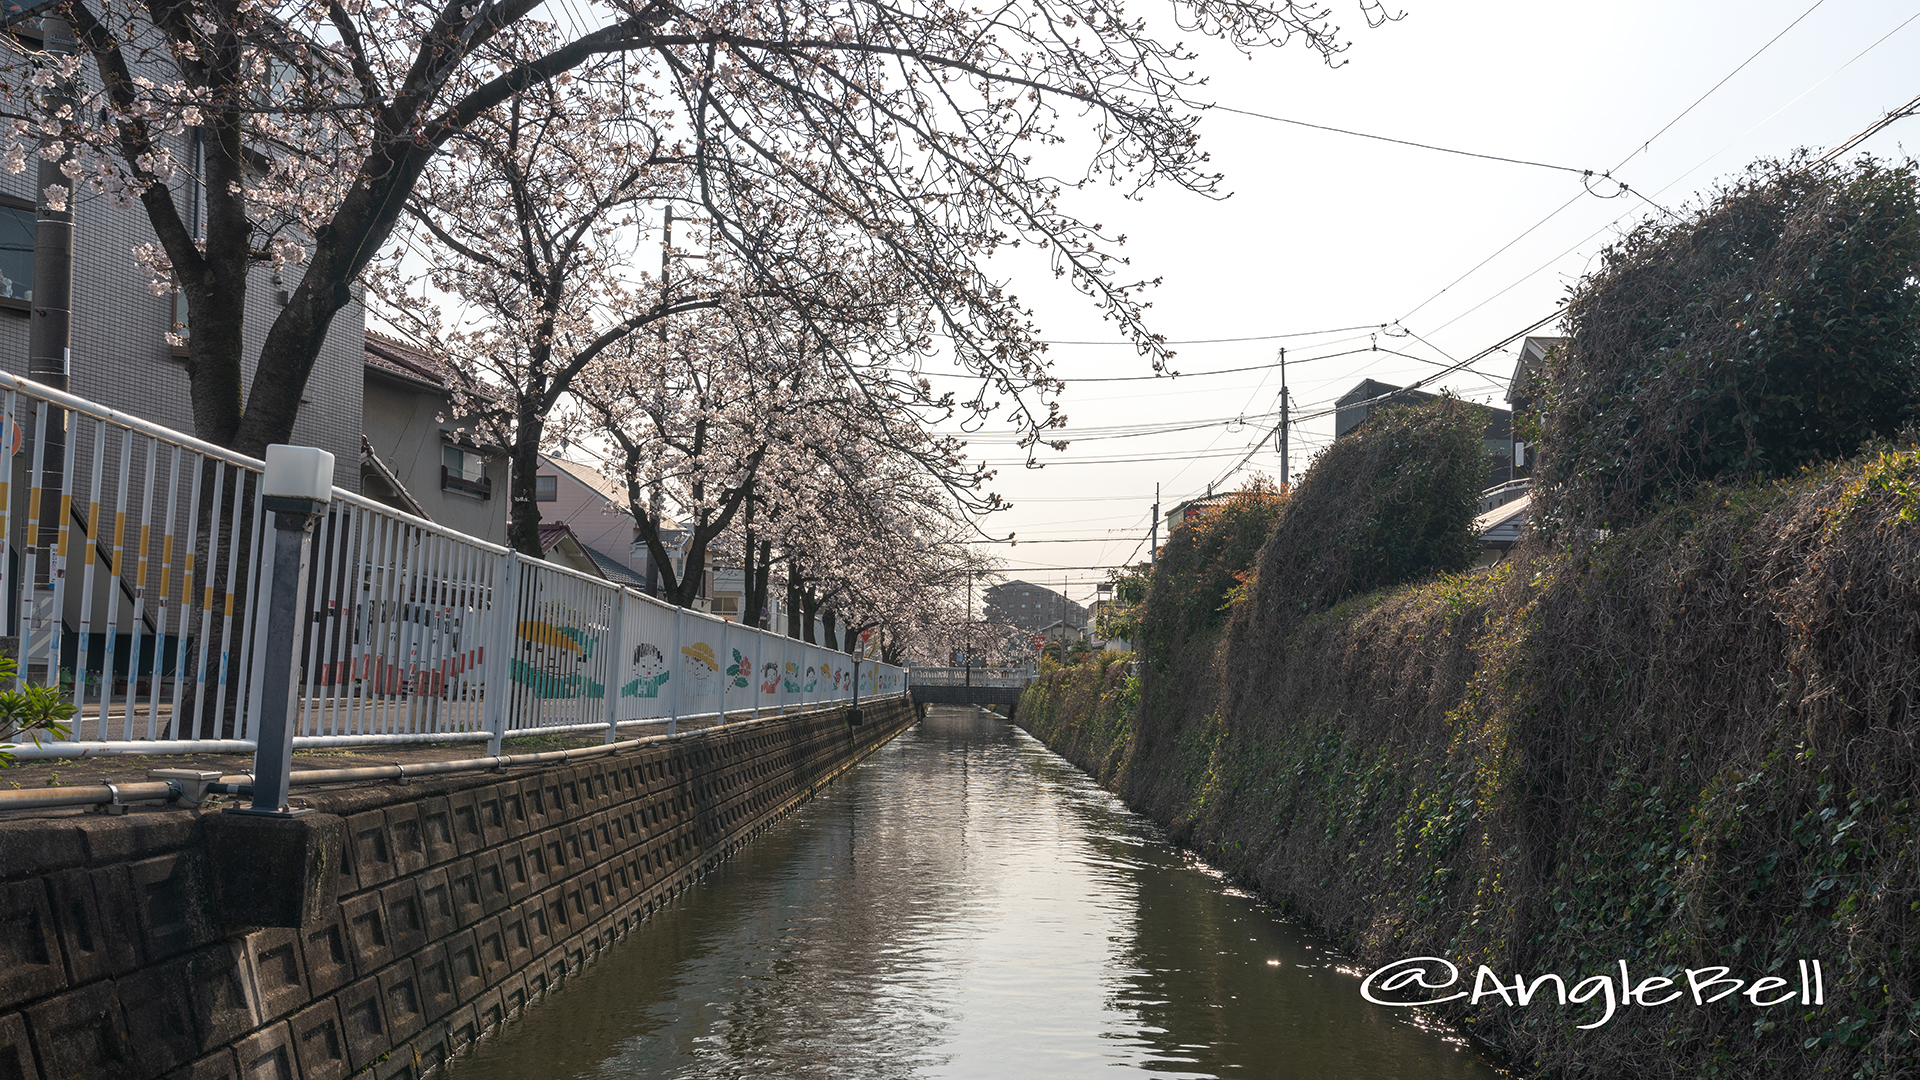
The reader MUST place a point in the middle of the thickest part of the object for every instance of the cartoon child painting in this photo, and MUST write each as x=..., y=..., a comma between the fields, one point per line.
x=701, y=667
x=770, y=678
x=650, y=669
x=792, y=678
x=813, y=679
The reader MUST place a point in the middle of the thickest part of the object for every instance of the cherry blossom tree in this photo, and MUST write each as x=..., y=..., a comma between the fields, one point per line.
x=912, y=126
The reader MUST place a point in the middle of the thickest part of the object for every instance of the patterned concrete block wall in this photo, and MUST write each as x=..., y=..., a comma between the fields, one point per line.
x=461, y=901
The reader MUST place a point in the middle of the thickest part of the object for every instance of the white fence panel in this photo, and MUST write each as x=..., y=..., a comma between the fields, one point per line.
x=131, y=578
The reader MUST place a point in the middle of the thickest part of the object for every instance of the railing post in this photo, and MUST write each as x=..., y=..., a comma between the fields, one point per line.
x=296, y=489
x=616, y=665
x=503, y=609
x=674, y=660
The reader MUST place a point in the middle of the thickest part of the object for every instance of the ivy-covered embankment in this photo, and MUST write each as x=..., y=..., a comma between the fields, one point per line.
x=1691, y=746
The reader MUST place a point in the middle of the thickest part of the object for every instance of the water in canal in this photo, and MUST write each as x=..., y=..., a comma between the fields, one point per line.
x=965, y=904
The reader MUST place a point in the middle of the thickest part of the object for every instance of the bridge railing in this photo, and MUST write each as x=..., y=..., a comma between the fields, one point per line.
x=960, y=676
x=130, y=559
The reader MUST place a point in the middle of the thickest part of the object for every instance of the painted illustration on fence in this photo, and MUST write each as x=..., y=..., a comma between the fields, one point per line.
x=813, y=679
x=701, y=668
x=650, y=669
x=740, y=671
x=791, y=680
x=770, y=678
x=551, y=658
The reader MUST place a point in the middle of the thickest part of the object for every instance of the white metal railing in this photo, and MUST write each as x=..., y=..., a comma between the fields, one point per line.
x=960, y=676
x=134, y=584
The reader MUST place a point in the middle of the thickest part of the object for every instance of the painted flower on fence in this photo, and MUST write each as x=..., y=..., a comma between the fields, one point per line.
x=650, y=667
x=741, y=670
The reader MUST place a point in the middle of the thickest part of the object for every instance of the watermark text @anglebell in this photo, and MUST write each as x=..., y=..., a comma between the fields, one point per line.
x=1426, y=980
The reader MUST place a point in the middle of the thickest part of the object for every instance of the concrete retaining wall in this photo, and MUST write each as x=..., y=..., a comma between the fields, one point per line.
x=444, y=908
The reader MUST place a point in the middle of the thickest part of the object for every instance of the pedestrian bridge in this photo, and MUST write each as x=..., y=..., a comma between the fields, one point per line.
x=969, y=686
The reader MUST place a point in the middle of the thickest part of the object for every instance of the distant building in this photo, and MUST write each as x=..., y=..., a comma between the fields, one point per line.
x=1032, y=607
x=1192, y=506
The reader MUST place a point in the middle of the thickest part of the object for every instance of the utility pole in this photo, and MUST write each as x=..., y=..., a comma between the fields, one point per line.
x=1286, y=478
x=1154, y=544
x=967, y=656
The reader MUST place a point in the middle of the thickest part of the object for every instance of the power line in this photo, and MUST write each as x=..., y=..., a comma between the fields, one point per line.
x=1405, y=142
x=1871, y=130
x=1723, y=81
x=1227, y=340
x=1643, y=146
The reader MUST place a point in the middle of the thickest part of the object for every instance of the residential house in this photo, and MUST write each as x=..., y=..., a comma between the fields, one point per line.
x=595, y=510
x=119, y=355
x=1352, y=408
x=415, y=456
x=1506, y=509
x=559, y=546
x=1521, y=393
x=1180, y=513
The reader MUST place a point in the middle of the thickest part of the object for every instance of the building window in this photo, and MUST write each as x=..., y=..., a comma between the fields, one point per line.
x=464, y=471
x=546, y=488
x=179, y=331
x=17, y=226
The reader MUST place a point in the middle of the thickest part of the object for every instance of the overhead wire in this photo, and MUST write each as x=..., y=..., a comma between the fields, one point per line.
x=1642, y=148
x=1909, y=109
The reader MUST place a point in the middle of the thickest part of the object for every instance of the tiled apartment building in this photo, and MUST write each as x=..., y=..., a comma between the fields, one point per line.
x=120, y=354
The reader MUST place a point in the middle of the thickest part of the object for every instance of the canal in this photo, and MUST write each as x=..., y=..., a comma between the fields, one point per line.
x=965, y=904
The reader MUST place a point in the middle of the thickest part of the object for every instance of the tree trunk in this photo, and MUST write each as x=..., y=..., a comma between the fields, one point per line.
x=793, y=598
x=523, y=513
x=829, y=629
x=758, y=587
x=749, y=611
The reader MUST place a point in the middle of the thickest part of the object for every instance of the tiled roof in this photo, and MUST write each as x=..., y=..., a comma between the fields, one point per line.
x=392, y=354
x=552, y=532
x=614, y=568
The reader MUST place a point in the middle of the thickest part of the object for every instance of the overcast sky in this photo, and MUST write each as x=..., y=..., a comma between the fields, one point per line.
x=1326, y=231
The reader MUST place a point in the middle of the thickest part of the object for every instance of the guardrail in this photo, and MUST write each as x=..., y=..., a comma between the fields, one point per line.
x=959, y=676
x=131, y=579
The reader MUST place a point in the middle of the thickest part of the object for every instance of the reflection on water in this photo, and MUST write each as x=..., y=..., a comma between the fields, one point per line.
x=965, y=904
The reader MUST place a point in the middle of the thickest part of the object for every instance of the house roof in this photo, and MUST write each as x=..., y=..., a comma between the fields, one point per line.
x=381, y=469
x=615, y=570
x=552, y=532
x=399, y=358
x=562, y=547
x=1533, y=353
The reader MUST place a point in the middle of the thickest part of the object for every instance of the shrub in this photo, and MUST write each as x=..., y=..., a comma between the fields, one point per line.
x=1389, y=503
x=1206, y=557
x=1776, y=327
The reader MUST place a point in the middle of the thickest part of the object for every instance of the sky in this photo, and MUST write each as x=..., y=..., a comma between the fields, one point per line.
x=1433, y=254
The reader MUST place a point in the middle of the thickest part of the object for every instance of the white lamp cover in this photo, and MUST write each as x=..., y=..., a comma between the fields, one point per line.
x=298, y=472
